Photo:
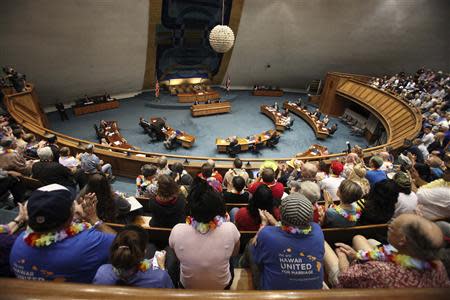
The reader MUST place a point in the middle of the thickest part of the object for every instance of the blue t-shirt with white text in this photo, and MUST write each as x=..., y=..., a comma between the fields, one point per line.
x=74, y=259
x=290, y=261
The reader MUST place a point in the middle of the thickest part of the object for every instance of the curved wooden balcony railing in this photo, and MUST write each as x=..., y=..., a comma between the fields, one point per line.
x=15, y=289
x=400, y=121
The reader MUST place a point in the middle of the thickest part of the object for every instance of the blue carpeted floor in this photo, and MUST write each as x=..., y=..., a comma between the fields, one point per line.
x=245, y=119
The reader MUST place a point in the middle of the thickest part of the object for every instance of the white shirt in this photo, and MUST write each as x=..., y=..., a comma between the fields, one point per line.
x=69, y=161
x=433, y=200
x=405, y=204
x=331, y=185
x=427, y=139
x=424, y=150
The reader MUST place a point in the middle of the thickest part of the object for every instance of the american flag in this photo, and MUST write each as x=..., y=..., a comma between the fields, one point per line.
x=228, y=84
x=157, y=89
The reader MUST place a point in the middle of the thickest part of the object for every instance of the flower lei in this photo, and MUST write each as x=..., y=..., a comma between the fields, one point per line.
x=352, y=217
x=296, y=230
x=35, y=239
x=388, y=253
x=143, y=266
x=5, y=229
x=206, y=227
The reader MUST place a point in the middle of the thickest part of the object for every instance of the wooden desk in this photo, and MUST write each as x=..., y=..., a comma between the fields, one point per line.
x=320, y=131
x=268, y=93
x=186, y=140
x=275, y=116
x=210, y=109
x=95, y=107
x=112, y=134
x=198, y=96
x=261, y=138
x=313, y=150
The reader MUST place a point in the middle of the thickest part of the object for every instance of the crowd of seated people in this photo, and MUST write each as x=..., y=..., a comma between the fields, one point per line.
x=61, y=234
x=13, y=79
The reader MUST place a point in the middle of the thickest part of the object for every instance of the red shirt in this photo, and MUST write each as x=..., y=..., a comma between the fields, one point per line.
x=379, y=274
x=218, y=176
x=244, y=221
x=276, y=187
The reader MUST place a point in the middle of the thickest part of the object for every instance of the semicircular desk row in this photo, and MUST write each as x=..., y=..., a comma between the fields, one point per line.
x=400, y=121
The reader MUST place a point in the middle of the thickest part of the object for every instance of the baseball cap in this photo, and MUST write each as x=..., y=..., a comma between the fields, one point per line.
x=49, y=207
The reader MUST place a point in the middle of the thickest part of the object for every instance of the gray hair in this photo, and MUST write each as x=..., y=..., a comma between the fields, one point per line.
x=309, y=170
x=310, y=190
x=420, y=244
x=45, y=153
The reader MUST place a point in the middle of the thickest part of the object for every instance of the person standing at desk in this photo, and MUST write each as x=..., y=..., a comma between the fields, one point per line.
x=62, y=111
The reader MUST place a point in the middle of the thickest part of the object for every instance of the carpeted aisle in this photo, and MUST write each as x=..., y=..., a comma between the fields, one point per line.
x=245, y=119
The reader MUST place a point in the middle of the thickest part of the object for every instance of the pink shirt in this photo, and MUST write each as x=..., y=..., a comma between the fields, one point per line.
x=204, y=258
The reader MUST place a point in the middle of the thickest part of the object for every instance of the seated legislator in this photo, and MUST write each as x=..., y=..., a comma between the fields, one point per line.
x=206, y=242
x=410, y=260
x=290, y=256
x=129, y=267
x=171, y=141
x=56, y=248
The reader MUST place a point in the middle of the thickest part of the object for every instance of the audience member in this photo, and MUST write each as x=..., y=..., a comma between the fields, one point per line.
x=206, y=175
x=331, y=184
x=11, y=159
x=111, y=207
x=181, y=176
x=237, y=170
x=248, y=218
x=267, y=177
x=433, y=199
x=7, y=238
x=146, y=184
x=407, y=199
x=48, y=171
x=409, y=260
x=380, y=203
x=91, y=164
x=168, y=208
x=347, y=213
x=53, y=247
x=129, y=266
x=375, y=175
x=205, y=244
x=236, y=194
x=288, y=257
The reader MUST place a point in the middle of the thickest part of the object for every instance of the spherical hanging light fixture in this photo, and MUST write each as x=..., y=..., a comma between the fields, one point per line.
x=221, y=37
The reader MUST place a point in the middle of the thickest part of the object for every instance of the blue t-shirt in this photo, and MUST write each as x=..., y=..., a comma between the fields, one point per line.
x=74, y=259
x=374, y=176
x=148, y=279
x=290, y=261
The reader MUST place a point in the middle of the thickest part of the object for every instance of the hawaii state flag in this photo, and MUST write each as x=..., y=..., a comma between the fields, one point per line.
x=228, y=84
x=157, y=89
